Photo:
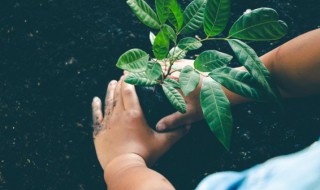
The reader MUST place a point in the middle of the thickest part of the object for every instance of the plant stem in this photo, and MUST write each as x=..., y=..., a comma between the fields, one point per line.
x=203, y=40
x=170, y=66
x=178, y=70
x=173, y=59
x=211, y=39
x=200, y=73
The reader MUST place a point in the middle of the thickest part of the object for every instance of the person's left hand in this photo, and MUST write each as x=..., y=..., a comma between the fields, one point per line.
x=194, y=111
x=124, y=130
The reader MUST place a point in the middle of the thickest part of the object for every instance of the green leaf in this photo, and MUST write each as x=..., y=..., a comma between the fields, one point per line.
x=170, y=32
x=175, y=15
x=189, y=43
x=177, y=53
x=236, y=81
x=161, y=45
x=134, y=60
x=144, y=13
x=210, y=60
x=259, y=25
x=162, y=7
x=172, y=82
x=250, y=60
x=139, y=79
x=216, y=110
x=154, y=70
x=216, y=16
x=193, y=16
x=189, y=80
x=152, y=37
x=175, y=98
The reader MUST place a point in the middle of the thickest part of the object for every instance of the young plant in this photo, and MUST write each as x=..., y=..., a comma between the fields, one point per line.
x=257, y=25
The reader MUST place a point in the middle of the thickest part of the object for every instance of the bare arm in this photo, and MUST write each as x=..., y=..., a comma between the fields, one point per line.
x=294, y=66
x=131, y=172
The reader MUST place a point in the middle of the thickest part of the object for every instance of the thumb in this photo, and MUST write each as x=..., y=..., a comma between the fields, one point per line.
x=173, y=121
x=169, y=138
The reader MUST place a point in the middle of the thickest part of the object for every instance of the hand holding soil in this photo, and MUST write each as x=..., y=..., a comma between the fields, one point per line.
x=123, y=129
x=194, y=112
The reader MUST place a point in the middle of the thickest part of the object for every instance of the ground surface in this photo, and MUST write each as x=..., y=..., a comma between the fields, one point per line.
x=56, y=55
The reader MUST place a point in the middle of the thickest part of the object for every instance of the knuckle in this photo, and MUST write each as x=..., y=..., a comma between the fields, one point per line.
x=171, y=139
x=109, y=101
x=127, y=91
x=112, y=83
x=133, y=114
x=115, y=117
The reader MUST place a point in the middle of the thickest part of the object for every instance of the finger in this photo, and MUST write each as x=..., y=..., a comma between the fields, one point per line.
x=108, y=106
x=97, y=117
x=129, y=97
x=173, y=121
x=117, y=99
x=174, y=77
x=163, y=63
x=169, y=138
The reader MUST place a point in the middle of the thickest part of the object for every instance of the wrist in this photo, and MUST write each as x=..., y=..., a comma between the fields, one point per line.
x=120, y=164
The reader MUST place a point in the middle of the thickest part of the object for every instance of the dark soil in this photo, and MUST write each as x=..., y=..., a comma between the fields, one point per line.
x=56, y=55
x=154, y=104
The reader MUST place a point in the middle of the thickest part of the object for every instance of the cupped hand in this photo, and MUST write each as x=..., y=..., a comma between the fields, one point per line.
x=194, y=111
x=123, y=129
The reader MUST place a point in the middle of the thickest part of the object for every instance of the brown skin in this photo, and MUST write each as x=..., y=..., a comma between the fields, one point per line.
x=125, y=144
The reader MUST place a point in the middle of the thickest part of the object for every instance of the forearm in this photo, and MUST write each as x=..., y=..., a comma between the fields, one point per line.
x=129, y=172
x=294, y=66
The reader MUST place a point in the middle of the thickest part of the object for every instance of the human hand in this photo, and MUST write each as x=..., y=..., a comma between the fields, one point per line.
x=194, y=111
x=123, y=129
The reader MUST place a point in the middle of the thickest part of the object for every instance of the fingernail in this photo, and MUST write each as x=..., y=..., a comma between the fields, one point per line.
x=96, y=99
x=113, y=82
x=161, y=127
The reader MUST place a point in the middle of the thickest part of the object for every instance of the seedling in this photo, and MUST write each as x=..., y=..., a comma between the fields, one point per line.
x=171, y=21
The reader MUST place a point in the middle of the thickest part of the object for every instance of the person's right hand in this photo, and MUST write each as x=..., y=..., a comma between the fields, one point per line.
x=194, y=111
x=123, y=130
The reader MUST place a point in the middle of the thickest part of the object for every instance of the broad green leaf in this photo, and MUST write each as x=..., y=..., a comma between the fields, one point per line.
x=259, y=25
x=210, y=60
x=172, y=82
x=170, y=32
x=236, y=81
x=162, y=7
x=139, y=79
x=216, y=110
x=193, y=16
x=189, y=80
x=152, y=37
x=177, y=53
x=144, y=13
x=134, y=60
x=216, y=16
x=250, y=60
x=175, y=15
x=154, y=70
x=175, y=98
x=189, y=43
x=161, y=45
